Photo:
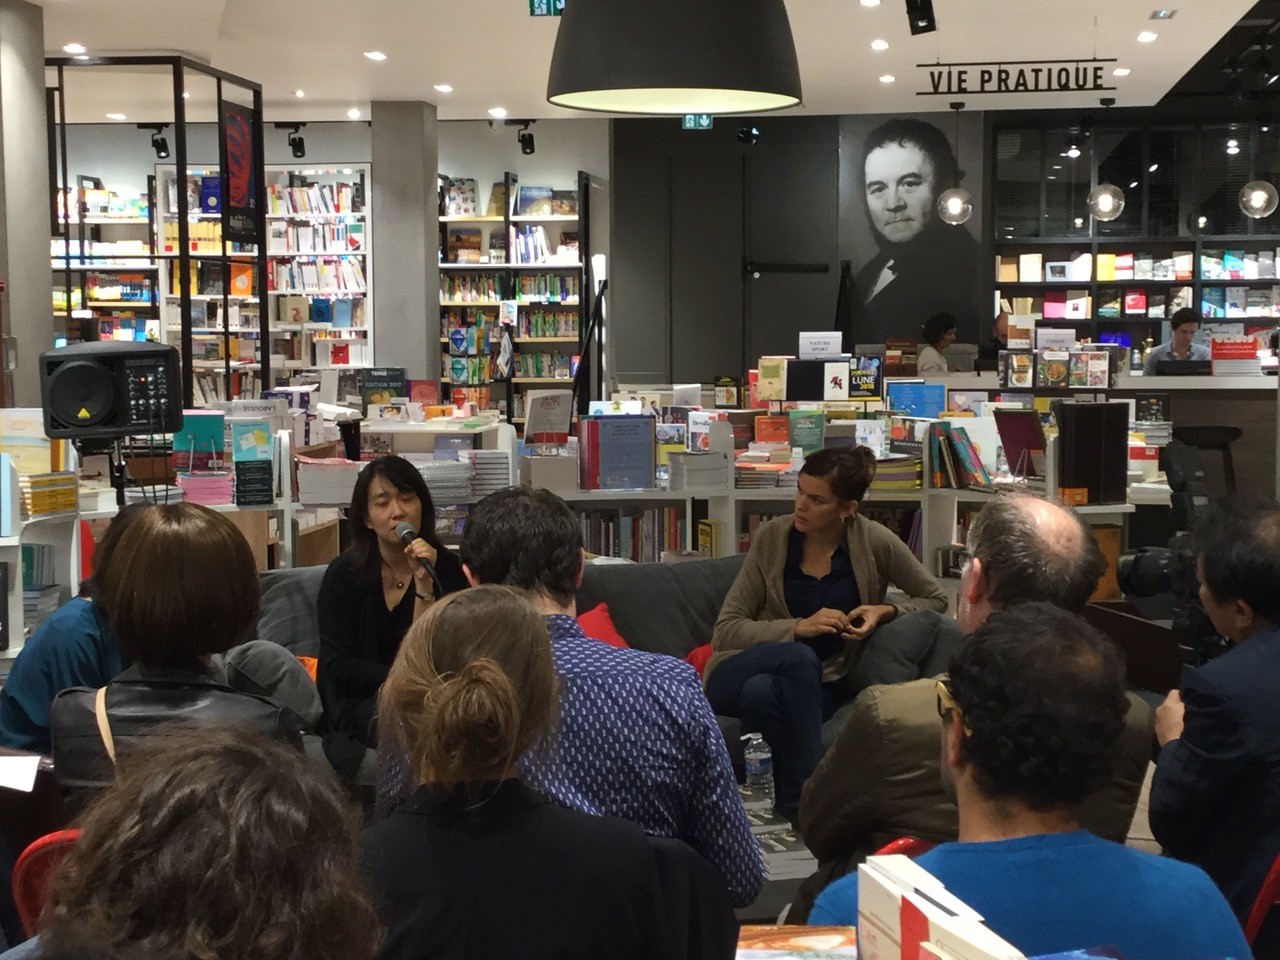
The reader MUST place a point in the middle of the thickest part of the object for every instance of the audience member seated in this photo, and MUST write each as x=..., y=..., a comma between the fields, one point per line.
x=376, y=589
x=212, y=843
x=637, y=738
x=1215, y=796
x=478, y=863
x=939, y=333
x=1032, y=713
x=809, y=594
x=72, y=647
x=181, y=586
x=881, y=779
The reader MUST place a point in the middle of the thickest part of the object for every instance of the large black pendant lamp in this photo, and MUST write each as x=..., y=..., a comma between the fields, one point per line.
x=672, y=57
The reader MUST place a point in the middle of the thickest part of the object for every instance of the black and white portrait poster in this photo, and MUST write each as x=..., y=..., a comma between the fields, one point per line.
x=908, y=263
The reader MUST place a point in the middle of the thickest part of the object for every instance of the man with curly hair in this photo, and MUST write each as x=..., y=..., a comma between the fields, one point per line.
x=1031, y=712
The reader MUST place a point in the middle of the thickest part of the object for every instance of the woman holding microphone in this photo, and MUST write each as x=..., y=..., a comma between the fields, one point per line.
x=377, y=588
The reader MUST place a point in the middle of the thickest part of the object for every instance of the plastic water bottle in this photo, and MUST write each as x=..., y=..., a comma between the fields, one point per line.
x=1002, y=466
x=757, y=792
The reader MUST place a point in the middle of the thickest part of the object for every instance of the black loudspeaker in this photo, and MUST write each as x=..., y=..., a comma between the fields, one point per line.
x=920, y=17
x=1093, y=449
x=110, y=389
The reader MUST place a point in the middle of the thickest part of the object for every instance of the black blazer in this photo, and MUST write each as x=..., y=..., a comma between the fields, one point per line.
x=1215, y=798
x=359, y=638
x=514, y=876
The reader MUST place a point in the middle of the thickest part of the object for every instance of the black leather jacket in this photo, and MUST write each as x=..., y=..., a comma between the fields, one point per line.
x=141, y=702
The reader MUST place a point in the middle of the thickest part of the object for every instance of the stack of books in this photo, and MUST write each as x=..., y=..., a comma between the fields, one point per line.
x=38, y=603
x=46, y=493
x=448, y=480
x=758, y=476
x=898, y=473
x=152, y=494
x=208, y=489
x=490, y=470
x=693, y=471
x=1157, y=433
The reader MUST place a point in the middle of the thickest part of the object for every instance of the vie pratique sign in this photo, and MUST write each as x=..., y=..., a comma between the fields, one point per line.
x=1019, y=76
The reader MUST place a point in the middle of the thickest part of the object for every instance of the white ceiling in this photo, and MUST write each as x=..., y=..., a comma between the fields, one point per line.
x=495, y=54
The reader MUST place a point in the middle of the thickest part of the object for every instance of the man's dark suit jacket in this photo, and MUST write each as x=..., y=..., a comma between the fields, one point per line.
x=1215, y=797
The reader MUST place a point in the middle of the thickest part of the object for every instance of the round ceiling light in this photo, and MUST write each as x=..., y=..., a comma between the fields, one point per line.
x=1106, y=201
x=955, y=206
x=1259, y=199
x=672, y=57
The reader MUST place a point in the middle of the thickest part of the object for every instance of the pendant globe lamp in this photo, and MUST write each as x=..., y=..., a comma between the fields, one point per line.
x=955, y=206
x=672, y=57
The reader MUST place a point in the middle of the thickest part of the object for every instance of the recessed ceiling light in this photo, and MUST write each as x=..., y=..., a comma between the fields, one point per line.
x=1133, y=185
x=497, y=112
x=354, y=113
x=74, y=48
x=299, y=94
x=879, y=44
x=377, y=55
x=871, y=3
x=444, y=88
x=1121, y=72
x=1057, y=166
x=1163, y=14
x=1153, y=168
x=1146, y=36
x=888, y=78
x=116, y=116
x=186, y=95
x=1052, y=177
x=1233, y=143
x=1073, y=151
x=1233, y=150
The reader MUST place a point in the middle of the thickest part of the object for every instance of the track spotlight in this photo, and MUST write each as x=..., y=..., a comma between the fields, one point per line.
x=297, y=144
x=159, y=143
x=748, y=135
x=526, y=139
x=920, y=17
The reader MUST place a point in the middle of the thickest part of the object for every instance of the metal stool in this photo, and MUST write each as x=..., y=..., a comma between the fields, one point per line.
x=1214, y=438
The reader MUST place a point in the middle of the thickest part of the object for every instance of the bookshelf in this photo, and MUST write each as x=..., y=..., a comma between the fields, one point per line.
x=318, y=307
x=1110, y=289
x=520, y=258
x=103, y=261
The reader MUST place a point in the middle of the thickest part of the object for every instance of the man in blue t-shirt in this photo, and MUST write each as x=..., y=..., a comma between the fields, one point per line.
x=1031, y=713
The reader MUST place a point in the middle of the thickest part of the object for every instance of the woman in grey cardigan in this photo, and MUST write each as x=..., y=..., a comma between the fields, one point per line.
x=811, y=591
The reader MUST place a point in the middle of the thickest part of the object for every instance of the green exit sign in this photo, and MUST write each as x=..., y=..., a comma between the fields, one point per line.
x=696, y=121
x=546, y=8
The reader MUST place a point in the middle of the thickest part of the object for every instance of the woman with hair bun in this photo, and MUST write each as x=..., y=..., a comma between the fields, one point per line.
x=476, y=863
x=809, y=594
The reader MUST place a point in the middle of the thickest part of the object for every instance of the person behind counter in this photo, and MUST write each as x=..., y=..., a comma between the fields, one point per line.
x=989, y=352
x=1185, y=323
x=938, y=334
x=809, y=595
x=376, y=589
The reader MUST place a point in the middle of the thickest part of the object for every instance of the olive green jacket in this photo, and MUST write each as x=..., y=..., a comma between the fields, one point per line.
x=755, y=609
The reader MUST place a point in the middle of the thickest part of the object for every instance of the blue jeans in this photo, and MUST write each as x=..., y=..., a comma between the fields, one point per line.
x=776, y=689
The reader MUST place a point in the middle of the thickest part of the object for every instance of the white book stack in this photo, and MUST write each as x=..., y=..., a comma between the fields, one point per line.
x=490, y=470
x=693, y=471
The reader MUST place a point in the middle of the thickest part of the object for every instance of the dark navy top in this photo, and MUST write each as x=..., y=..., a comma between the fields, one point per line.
x=806, y=595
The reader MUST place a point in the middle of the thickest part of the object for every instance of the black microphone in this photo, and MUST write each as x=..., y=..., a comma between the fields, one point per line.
x=406, y=535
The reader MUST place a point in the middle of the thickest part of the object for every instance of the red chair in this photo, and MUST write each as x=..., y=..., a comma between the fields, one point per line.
x=32, y=872
x=907, y=846
x=1267, y=898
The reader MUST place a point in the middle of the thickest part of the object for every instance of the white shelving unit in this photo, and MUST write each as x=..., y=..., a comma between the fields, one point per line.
x=61, y=531
x=296, y=241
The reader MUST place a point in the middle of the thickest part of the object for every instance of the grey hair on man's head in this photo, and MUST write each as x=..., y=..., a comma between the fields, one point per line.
x=1033, y=550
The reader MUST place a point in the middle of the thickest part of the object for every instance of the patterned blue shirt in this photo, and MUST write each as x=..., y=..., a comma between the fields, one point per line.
x=638, y=740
